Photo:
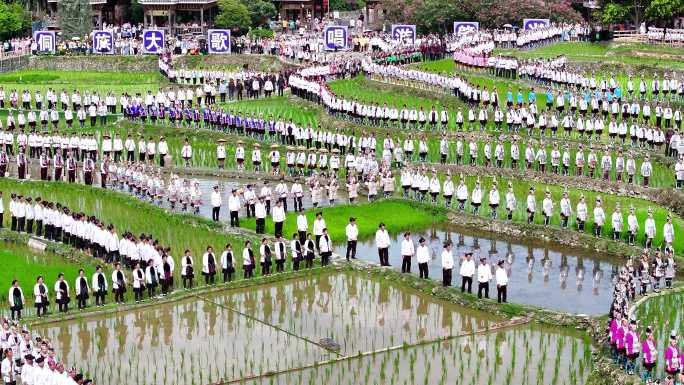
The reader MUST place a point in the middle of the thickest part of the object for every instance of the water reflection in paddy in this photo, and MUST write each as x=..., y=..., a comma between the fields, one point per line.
x=522, y=355
x=200, y=340
x=540, y=274
x=358, y=313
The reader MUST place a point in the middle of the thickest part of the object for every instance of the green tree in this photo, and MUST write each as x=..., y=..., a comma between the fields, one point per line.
x=664, y=10
x=439, y=15
x=260, y=12
x=233, y=15
x=13, y=20
x=75, y=18
x=614, y=13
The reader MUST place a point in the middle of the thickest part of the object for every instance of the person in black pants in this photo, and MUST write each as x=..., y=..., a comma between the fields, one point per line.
x=467, y=271
x=352, y=232
x=423, y=257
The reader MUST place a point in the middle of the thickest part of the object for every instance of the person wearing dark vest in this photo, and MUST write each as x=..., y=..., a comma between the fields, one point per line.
x=99, y=286
x=209, y=266
x=59, y=165
x=62, y=293
x=71, y=169
x=151, y=279
x=82, y=290
x=280, y=254
x=309, y=251
x=118, y=283
x=21, y=164
x=88, y=166
x=44, y=164
x=297, y=251
x=325, y=247
x=228, y=263
x=16, y=300
x=138, y=282
x=248, y=260
x=166, y=274
x=40, y=294
x=265, y=255
x=187, y=270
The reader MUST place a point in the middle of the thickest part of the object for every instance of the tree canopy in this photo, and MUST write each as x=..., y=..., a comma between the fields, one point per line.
x=14, y=20
x=233, y=15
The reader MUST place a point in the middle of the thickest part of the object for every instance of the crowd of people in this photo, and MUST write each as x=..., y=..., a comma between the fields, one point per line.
x=632, y=343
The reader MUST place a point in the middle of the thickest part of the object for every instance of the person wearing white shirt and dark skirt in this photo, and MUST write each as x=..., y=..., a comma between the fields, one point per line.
x=209, y=266
x=501, y=282
x=407, y=252
x=484, y=275
x=187, y=270
x=447, y=264
x=248, y=260
x=82, y=289
x=325, y=247
x=228, y=263
x=62, y=293
x=99, y=285
x=16, y=300
x=352, y=232
x=382, y=241
x=118, y=283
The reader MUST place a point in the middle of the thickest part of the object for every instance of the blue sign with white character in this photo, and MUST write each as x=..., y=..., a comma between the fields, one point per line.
x=46, y=41
x=335, y=37
x=463, y=27
x=218, y=40
x=153, y=41
x=404, y=33
x=103, y=42
x=529, y=24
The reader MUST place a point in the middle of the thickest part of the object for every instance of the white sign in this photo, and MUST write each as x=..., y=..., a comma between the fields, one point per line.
x=463, y=27
x=153, y=41
x=529, y=24
x=335, y=37
x=404, y=33
x=218, y=40
x=46, y=41
x=103, y=42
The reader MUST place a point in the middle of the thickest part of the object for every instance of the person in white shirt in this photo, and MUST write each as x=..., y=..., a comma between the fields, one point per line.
x=325, y=247
x=318, y=226
x=484, y=275
x=234, y=208
x=228, y=263
x=422, y=257
x=501, y=282
x=407, y=252
x=352, y=232
x=382, y=241
x=216, y=202
x=467, y=271
x=278, y=218
x=8, y=369
x=447, y=264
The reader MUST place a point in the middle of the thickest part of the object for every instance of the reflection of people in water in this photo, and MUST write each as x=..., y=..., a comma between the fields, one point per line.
x=530, y=264
x=597, y=275
x=546, y=268
x=383, y=298
x=508, y=264
x=461, y=240
x=563, y=276
x=579, y=271
x=406, y=311
x=446, y=323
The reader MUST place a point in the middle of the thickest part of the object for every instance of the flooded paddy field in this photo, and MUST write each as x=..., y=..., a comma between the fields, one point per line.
x=540, y=273
x=274, y=335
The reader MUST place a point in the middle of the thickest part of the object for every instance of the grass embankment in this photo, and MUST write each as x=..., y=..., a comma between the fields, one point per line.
x=232, y=63
x=397, y=215
x=25, y=264
x=637, y=54
x=90, y=81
